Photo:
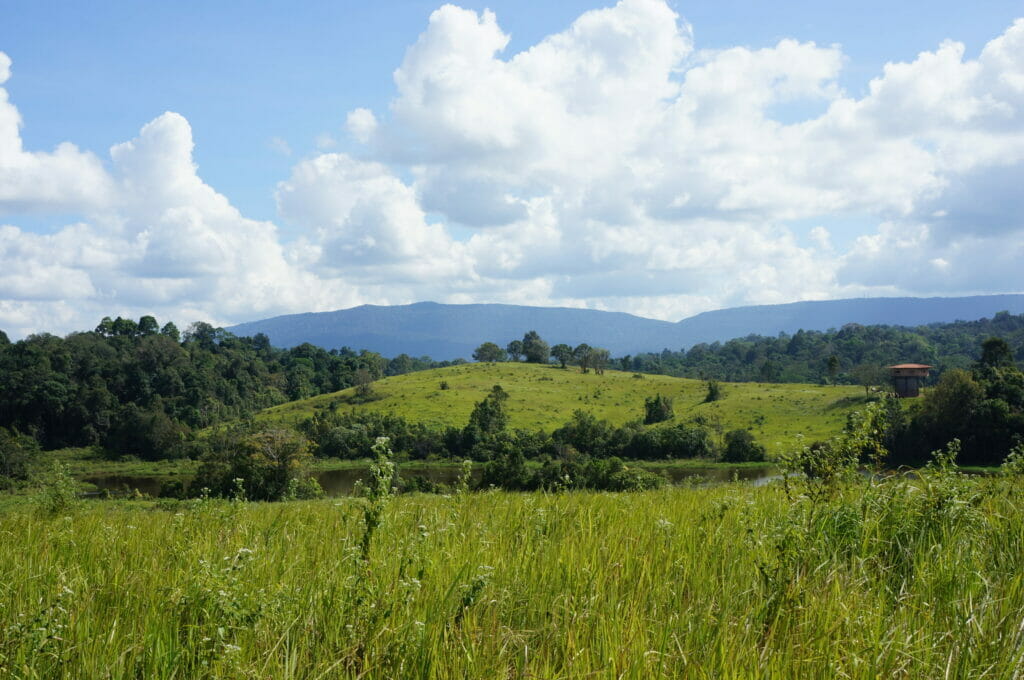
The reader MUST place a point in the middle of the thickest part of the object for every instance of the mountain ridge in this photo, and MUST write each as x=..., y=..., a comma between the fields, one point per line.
x=447, y=331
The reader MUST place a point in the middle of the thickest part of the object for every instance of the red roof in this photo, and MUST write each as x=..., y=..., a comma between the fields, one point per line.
x=911, y=366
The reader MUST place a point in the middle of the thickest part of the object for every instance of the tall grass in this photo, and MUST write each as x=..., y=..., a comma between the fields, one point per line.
x=914, y=578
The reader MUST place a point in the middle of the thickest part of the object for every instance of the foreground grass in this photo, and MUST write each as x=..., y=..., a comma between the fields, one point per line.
x=918, y=578
x=544, y=397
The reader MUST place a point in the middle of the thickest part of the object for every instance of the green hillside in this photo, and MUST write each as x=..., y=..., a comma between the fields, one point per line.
x=544, y=397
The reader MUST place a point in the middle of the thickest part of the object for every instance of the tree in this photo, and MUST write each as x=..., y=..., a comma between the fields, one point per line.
x=714, y=391
x=996, y=352
x=562, y=353
x=18, y=453
x=535, y=349
x=299, y=379
x=364, y=383
x=833, y=368
x=488, y=416
x=515, y=349
x=657, y=409
x=582, y=356
x=870, y=375
x=272, y=464
x=148, y=326
x=125, y=327
x=740, y=447
x=400, y=365
x=585, y=434
x=4, y=340
x=489, y=352
x=203, y=334
x=599, y=358
x=171, y=331
x=106, y=327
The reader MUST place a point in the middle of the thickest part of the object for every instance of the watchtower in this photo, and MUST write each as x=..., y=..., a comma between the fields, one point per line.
x=907, y=378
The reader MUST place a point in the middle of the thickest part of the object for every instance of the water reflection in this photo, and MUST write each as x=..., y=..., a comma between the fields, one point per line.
x=342, y=482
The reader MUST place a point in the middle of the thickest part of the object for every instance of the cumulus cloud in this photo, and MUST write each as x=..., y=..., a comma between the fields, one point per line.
x=65, y=179
x=361, y=124
x=362, y=217
x=613, y=165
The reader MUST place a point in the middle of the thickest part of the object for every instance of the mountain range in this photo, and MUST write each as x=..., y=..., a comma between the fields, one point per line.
x=443, y=331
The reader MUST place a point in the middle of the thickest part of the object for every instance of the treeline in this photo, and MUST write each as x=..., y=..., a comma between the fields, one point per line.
x=264, y=461
x=535, y=350
x=850, y=355
x=135, y=387
x=585, y=453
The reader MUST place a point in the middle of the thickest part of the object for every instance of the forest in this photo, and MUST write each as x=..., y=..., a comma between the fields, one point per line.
x=138, y=388
x=806, y=356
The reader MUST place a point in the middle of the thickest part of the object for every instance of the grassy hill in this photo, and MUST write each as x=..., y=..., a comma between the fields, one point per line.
x=544, y=397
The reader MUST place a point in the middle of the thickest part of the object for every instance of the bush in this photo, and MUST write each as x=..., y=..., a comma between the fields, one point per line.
x=57, y=490
x=740, y=447
x=714, y=392
x=272, y=464
x=657, y=409
x=18, y=454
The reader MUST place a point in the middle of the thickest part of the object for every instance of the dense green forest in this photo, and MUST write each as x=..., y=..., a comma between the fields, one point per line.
x=858, y=351
x=134, y=387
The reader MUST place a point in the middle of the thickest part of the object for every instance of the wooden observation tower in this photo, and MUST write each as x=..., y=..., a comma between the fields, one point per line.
x=907, y=378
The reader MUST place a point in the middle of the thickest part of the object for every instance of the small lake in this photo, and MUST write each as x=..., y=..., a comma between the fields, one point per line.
x=342, y=482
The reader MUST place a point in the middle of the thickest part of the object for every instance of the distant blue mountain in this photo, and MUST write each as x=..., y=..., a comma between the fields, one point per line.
x=451, y=331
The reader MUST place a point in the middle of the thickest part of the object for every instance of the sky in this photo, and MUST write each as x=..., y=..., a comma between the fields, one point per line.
x=232, y=161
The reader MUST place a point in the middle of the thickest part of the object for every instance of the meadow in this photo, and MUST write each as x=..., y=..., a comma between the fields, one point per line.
x=543, y=398
x=916, y=577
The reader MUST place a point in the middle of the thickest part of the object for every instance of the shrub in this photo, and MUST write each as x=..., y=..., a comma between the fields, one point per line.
x=714, y=391
x=272, y=464
x=18, y=454
x=657, y=409
x=740, y=447
x=57, y=490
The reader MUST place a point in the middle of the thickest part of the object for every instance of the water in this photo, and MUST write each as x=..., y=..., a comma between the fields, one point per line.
x=342, y=482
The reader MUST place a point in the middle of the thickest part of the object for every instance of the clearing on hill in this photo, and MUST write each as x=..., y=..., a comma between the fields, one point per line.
x=544, y=397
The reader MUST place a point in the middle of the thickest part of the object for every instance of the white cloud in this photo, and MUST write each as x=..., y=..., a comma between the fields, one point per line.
x=325, y=141
x=611, y=165
x=280, y=146
x=361, y=217
x=65, y=179
x=361, y=124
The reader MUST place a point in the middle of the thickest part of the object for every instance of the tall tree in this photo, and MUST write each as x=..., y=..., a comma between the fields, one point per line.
x=563, y=353
x=599, y=358
x=488, y=416
x=171, y=331
x=996, y=352
x=515, y=349
x=535, y=349
x=148, y=326
x=582, y=356
x=489, y=351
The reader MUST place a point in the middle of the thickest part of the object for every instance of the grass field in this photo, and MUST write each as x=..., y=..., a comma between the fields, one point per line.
x=919, y=578
x=544, y=397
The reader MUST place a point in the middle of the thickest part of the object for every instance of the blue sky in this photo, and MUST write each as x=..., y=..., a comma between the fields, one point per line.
x=266, y=89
